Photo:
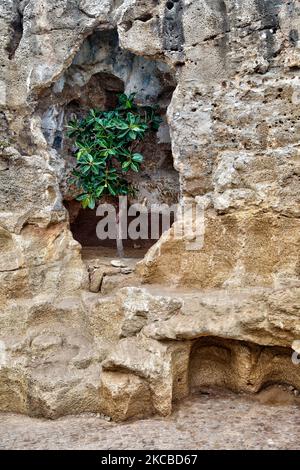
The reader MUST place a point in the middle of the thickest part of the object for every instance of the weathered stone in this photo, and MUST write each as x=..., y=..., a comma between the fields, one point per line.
x=13, y=390
x=240, y=366
x=44, y=359
x=234, y=131
x=255, y=260
x=126, y=270
x=164, y=366
x=125, y=396
x=141, y=308
x=116, y=263
x=115, y=281
x=96, y=278
x=260, y=316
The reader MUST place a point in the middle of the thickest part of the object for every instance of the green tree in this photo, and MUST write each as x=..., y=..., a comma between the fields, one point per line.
x=105, y=143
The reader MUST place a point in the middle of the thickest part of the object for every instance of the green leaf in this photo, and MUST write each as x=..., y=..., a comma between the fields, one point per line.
x=102, y=142
x=81, y=197
x=132, y=135
x=91, y=203
x=100, y=190
x=131, y=118
x=121, y=124
x=123, y=134
x=95, y=170
x=137, y=157
x=111, y=189
x=134, y=167
x=85, y=169
x=85, y=203
x=126, y=165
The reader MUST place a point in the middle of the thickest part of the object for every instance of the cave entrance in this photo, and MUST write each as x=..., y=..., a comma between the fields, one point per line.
x=99, y=72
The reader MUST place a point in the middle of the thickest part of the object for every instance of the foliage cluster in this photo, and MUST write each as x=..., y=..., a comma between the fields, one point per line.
x=105, y=143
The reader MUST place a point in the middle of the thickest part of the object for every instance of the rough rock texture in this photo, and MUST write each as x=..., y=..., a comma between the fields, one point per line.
x=239, y=97
x=211, y=420
x=234, y=122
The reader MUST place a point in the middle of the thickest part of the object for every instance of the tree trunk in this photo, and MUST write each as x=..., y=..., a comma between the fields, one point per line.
x=119, y=239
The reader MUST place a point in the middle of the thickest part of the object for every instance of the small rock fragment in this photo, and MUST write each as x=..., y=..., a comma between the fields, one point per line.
x=118, y=263
x=126, y=270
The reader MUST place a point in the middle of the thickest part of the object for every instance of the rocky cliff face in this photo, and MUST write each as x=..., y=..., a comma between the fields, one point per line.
x=228, y=74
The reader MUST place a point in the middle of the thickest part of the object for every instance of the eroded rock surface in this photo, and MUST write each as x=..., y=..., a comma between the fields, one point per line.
x=75, y=338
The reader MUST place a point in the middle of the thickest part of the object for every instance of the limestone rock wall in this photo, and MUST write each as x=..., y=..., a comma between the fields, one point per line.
x=238, y=94
x=234, y=125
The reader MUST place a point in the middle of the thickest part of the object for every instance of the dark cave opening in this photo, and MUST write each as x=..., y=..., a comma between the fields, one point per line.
x=16, y=34
x=239, y=366
x=83, y=224
x=99, y=72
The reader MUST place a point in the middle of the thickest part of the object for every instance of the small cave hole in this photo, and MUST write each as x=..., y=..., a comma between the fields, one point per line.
x=83, y=225
x=127, y=25
x=146, y=17
x=16, y=34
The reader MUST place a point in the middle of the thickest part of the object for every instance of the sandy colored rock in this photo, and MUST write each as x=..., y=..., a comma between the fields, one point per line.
x=141, y=308
x=254, y=261
x=77, y=337
x=268, y=421
x=125, y=396
x=165, y=366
